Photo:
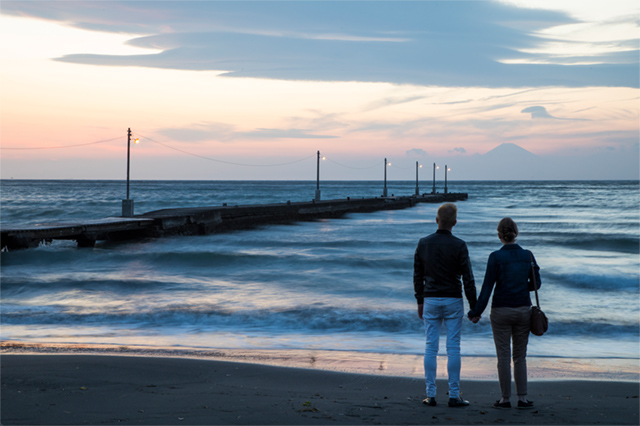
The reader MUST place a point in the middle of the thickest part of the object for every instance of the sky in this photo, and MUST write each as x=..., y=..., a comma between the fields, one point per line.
x=493, y=89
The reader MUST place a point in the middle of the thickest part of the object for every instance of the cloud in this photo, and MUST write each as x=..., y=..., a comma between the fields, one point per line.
x=541, y=112
x=381, y=103
x=283, y=134
x=458, y=151
x=426, y=43
x=202, y=132
x=417, y=153
x=199, y=132
x=537, y=112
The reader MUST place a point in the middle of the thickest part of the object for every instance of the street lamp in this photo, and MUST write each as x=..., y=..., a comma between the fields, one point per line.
x=127, y=205
x=418, y=165
x=318, y=178
x=446, y=169
x=384, y=190
x=434, y=178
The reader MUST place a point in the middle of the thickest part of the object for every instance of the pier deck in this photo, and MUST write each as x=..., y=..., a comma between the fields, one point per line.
x=204, y=220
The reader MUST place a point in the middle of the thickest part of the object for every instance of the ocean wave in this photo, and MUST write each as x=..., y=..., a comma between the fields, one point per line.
x=595, y=282
x=601, y=242
x=323, y=320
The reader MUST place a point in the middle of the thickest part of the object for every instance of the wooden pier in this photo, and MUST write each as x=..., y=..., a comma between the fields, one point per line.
x=204, y=220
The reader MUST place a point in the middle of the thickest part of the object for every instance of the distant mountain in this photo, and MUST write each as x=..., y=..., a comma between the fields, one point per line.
x=507, y=161
x=510, y=151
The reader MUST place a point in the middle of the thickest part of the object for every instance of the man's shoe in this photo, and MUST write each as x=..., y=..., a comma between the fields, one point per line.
x=458, y=402
x=430, y=401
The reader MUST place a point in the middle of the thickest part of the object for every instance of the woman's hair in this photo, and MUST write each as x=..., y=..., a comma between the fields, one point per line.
x=508, y=230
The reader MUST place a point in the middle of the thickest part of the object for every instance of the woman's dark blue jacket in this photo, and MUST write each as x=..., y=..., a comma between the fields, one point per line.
x=510, y=270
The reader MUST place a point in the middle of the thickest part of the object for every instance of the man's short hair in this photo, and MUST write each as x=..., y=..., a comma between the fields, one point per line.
x=447, y=215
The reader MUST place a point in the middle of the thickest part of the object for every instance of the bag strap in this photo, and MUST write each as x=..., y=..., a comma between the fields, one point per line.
x=533, y=277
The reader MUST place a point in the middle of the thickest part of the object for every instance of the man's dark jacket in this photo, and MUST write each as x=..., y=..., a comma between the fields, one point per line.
x=440, y=261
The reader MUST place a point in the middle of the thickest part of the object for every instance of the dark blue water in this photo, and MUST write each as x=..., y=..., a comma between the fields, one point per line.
x=343, y=284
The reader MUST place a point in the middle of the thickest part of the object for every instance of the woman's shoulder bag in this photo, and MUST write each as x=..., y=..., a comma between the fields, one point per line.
x=539, y=321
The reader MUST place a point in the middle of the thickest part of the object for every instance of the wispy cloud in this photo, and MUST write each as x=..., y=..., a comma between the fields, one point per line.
x=425, y=43
x=283, y=134
x=540, y=112
x=458, y=150
x=417, y=153
x=219, y=132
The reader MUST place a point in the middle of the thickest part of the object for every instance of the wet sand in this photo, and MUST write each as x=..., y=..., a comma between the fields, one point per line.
x=108, y=389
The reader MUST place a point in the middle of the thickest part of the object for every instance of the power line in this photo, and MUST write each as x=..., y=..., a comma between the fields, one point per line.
x=61, y=147
x=223, y=161
x=355, y=168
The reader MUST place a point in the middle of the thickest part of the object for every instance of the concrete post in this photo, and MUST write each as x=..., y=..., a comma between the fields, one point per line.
x=127, y=208
x=434, y=179
x=384, y=190
x=445, y=178
x=318, y=179
x=127, y=205
x=417, y=189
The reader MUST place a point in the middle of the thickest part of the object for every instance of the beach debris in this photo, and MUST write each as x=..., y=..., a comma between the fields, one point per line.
x=483, y=412
x=306, y=406
x=181, y=418
x=83, y=388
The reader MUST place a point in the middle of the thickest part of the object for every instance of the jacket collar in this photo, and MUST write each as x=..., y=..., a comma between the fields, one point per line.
x=443, y=231
x=510, y=247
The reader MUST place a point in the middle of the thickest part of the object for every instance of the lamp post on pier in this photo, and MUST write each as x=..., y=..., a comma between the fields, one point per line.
x=446, y=169
x=418, y=165
x=318, y=179
x=127, y=205
x=434, y=178
x=384, y=190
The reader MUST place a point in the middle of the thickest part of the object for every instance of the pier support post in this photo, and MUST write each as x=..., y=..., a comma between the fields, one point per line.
x=127, y=208
x=86, y=241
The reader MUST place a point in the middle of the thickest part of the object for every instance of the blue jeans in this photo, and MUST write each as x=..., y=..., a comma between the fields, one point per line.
x=450, y=311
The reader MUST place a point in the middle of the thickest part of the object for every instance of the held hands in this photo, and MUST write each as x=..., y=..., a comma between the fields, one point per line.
x=473, y=319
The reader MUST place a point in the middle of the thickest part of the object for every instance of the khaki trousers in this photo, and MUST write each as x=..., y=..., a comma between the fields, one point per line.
x=511, y=325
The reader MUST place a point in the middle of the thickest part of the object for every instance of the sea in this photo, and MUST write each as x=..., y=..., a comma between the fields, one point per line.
x=341, y=285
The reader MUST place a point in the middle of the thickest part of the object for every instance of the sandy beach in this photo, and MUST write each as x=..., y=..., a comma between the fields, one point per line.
x=108, y=389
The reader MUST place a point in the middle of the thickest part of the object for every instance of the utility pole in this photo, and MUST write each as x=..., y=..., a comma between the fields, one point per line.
x=445, y=178
x=318, y=179
x=434, y=179
x=127, y=205
x=417, y=190
x=384, y=190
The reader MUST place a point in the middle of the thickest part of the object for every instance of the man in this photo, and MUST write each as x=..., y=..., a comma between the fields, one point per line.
x=439, y=262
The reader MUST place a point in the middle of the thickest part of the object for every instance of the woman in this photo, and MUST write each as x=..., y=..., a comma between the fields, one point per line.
x=510, y=269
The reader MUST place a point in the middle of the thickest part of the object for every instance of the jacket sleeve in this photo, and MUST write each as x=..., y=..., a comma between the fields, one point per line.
x=487, y=288
x=468, y=280
x=535, y=269
x=418, y=276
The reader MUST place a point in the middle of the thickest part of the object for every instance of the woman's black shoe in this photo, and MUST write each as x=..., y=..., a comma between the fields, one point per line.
x=525, y=405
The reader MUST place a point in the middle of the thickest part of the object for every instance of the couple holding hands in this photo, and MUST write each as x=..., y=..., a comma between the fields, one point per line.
x=440, y=261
